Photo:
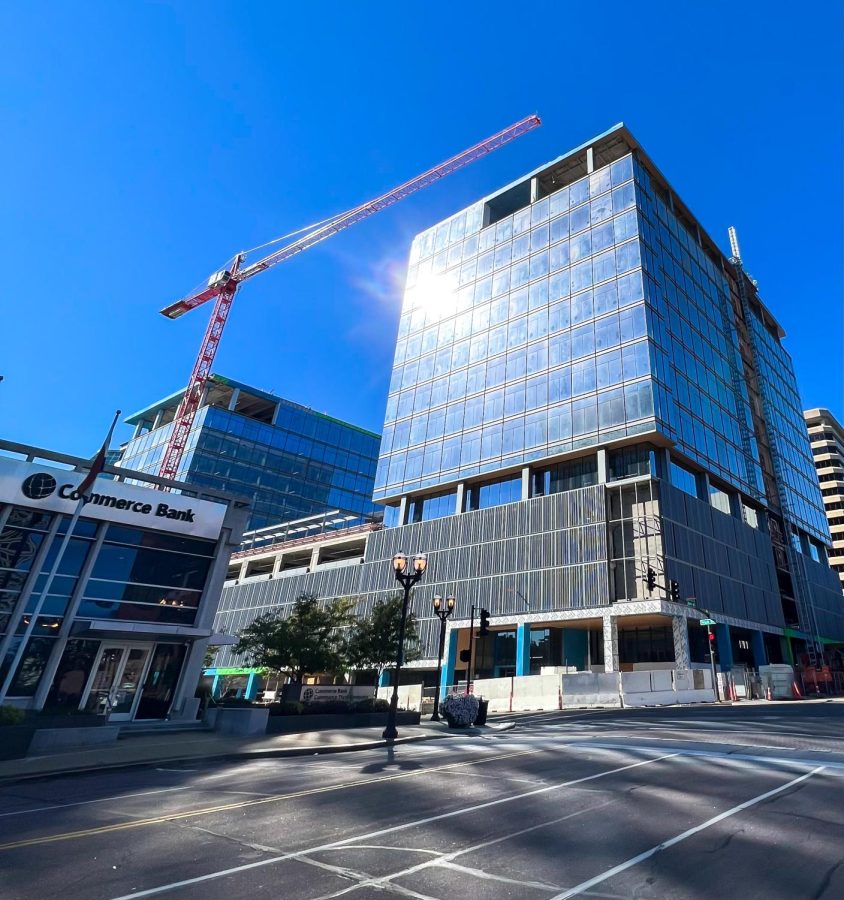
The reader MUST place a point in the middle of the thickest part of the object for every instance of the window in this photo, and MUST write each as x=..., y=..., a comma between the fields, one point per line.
x=683, y=478
x=567, y=476
x=629, y=462
x=493, y=493
x=422, y=509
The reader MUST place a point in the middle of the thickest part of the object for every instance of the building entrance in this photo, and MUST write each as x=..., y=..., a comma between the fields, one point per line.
x=113, y=688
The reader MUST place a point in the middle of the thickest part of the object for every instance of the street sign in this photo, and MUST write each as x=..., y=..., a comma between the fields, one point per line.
x=707, y=622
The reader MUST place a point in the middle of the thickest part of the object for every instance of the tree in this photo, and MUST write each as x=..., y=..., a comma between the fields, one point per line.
x=374, y=639
x=308, y=641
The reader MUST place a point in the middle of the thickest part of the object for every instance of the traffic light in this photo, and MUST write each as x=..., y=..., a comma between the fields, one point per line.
x=651, y=580
x=674, y=591
x=483, y=629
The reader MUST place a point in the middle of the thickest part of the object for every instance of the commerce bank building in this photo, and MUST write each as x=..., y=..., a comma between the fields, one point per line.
x=115, y=617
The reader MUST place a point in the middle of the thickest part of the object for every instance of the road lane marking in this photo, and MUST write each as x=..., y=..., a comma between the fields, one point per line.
x=385, y=882
x=275, y=798
x=37, y=809
x=635, y=860
x=334, y=845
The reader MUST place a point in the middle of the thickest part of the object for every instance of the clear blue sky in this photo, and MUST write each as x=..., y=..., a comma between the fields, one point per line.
x=143, y=144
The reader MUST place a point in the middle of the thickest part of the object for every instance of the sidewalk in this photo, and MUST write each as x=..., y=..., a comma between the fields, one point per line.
x=201, y=746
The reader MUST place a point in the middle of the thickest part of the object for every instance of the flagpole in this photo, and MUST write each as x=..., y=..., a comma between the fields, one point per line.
x=33, y=618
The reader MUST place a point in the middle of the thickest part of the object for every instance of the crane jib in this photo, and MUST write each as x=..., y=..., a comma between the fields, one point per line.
x=223, y=284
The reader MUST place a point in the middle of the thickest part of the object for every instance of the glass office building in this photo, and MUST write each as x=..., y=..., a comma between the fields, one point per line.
x=587, y=392
x=291, y=461
x=580, y=328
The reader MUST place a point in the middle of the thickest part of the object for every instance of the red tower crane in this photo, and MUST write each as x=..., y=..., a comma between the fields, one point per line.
x=222, y=286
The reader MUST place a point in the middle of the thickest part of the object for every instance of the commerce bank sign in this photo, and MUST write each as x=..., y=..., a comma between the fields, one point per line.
x=56, y=490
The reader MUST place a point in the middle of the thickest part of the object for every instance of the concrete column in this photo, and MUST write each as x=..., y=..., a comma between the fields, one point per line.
x=523, y=649
x=277, y=564
x=526, y=483
x=450, y=659
x=403, y=511
x=314, y=558
x=234, y=398
x=725, y=648
x=757, y=644
x=590, y=160
x=534, y=190
x=156, y=422
x=575, y=644
x=610, y=643
x=458, y=503
x=680, y=630
x=603, y=466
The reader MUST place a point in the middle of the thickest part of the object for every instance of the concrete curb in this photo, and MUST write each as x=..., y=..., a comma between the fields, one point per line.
x=280, y=753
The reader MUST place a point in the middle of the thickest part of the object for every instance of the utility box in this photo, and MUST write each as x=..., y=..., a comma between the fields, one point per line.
x=780, y=677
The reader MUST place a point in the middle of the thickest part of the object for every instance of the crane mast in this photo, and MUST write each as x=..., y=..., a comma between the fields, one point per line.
x=223, y=285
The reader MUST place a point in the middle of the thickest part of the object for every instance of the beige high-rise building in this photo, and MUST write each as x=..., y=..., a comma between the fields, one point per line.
x=827, y=436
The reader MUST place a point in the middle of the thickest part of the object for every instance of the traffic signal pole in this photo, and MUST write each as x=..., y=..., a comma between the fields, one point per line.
x=710, y=639
x=471, y=651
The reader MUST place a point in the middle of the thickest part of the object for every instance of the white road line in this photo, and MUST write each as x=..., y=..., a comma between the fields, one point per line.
x=222, y=873
x=384, y=882
x=23, y=812
x=486, y=876
x=635, y=860
x=715, y=754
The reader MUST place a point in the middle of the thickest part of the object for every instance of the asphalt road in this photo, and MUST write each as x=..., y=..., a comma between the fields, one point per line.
x=744, y=802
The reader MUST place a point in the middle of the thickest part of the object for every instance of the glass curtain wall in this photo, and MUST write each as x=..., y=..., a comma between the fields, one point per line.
x=520, y=340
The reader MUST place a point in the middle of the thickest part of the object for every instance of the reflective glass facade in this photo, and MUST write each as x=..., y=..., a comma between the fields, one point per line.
x=701, y=393
x=302, y=464
x=791, y=450
x=520, y=340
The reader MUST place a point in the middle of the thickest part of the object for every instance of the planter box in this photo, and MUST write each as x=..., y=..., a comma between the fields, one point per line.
x=287, y=724
x=82, y=720
x=15, y=740
x=242, y=720
x=56, y=740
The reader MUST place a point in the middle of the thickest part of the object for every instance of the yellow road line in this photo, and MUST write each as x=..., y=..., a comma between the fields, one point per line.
x=276, y=798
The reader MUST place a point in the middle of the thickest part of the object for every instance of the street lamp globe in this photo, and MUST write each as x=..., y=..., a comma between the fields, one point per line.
x=420, y=562
x=437, y=602
x=450, y=602
x=400, y=562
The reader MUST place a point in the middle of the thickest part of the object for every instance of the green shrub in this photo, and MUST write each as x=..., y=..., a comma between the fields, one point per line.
x=10, y=715
x=235, y=702
x=371, y=705
x=286, y=708
x=328, y=708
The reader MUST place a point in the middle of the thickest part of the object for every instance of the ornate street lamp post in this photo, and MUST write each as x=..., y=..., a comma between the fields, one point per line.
x=408, y=572
x=443, y=609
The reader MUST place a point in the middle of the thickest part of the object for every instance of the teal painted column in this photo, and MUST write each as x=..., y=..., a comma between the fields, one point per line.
x=251, y=687
x=449, y=661
x=757, y=644
x=523, y=649
x=214, y=685
x=384, y=678
x=725, y=648
x=574, y=647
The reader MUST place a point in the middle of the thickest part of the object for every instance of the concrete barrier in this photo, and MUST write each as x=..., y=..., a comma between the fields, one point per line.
x=590, y=689
x=497, y=691
x=661, y=687
x=410, y=696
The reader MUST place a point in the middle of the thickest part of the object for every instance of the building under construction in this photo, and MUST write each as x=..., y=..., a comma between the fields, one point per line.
x=291, y=461
x=594, y=431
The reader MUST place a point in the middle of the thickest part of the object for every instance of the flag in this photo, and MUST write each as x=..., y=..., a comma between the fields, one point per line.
x=98, y=462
